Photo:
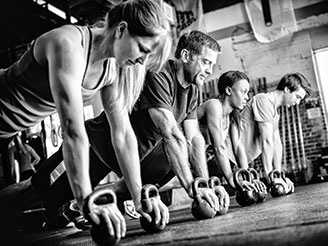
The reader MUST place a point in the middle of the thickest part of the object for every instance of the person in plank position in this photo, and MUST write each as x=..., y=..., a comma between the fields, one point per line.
x=258, y=130
x=64, y=68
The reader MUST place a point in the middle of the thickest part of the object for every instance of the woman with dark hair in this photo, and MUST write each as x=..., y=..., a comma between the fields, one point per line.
x=215, y=116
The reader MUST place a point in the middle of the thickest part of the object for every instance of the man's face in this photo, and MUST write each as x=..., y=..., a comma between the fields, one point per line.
x=295, y=97
x=199, y=67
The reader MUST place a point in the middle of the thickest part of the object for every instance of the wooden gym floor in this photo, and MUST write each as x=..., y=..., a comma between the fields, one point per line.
x=298, y=219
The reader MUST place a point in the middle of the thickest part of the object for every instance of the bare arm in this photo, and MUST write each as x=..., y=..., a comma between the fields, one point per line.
x=213, y=114
x=277, y=151
x=267, y=139
x=238, y=147
x=175, y=145
x=196, y=144
x=34, y=155
x=62, y=54
x=124, y=143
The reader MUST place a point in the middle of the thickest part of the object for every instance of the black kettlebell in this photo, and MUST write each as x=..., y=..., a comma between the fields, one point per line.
x=277, y=189
x=244, y=197
x=200, y=208
x=99, y=198
x=262, y=195
x=214, y=183
x=148, y=192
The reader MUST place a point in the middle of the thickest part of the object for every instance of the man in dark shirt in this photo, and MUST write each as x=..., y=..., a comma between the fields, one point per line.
x=165, y=120
x=165, y=123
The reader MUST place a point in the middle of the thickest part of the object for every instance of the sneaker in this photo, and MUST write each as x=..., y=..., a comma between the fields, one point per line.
x=72, y=213
x=130, y=209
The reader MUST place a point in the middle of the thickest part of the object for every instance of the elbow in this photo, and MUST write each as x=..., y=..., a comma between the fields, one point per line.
x=74, y=133
x=268, y=144
x=121, y=139
x=199, y=140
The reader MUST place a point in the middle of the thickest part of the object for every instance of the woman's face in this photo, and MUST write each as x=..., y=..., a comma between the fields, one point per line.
x=129, y=50
x=239, y=94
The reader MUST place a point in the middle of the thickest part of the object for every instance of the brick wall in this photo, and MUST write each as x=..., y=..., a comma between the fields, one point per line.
x=272, y=61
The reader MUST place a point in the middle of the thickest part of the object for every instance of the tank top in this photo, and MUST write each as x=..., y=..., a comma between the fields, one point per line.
x=25, y=94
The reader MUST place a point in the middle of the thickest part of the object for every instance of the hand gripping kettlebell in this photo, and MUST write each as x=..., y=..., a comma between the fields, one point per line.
x=148, y=192
x=200, y=208
x=101, y=197
x=262, y=195
x=244, y=197
x=214, y=183
x=283, y=176
x=277, y=189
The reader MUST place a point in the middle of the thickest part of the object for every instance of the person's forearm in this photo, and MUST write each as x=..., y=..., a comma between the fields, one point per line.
x=177, y=154
x=76, y=159
x=223, y=163
x=277, y=156
x=267, y=156
x=197, y=156
x=129, y=163
x=241, y=158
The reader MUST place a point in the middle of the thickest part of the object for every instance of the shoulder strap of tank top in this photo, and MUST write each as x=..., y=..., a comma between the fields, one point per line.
x=89, y=51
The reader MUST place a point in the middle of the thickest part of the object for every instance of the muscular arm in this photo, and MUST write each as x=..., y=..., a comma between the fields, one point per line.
x=61, y=53
x=277, y=151
x=267, y=139
x=214, y=125
x=238, y=147
x=196, y=146
x=124, y=143
x=175, y=145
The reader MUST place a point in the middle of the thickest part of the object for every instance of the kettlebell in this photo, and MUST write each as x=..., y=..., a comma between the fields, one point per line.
x=99, y=198
x=277, y=189
x=200, y=208
x=262, y=195
x=214, y=183
x=244, y=197
x=148, y=192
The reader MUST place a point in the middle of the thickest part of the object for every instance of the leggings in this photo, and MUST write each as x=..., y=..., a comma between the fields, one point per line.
x=155, y=169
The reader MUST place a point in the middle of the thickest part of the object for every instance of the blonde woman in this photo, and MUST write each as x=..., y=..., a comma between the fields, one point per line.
x=66, y=66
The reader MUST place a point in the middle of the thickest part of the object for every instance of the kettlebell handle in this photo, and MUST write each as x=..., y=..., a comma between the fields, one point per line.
x=91, y=202
x=254, y=174
x=213, y=182
x=241, y=172
x=283, y=175
x=274, y=174
x=195, y=185
x=148, y=191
